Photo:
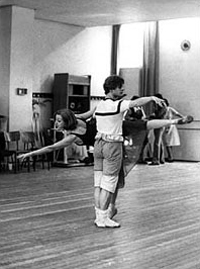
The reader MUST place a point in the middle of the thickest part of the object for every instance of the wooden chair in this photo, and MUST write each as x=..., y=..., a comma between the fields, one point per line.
x=29, y=142
x=8, y=154
x=48, y=140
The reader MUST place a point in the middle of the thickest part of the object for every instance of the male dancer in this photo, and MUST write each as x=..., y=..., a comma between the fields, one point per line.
x=108, y=147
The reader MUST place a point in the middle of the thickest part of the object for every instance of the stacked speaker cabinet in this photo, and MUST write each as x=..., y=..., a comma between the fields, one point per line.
x=72, y=92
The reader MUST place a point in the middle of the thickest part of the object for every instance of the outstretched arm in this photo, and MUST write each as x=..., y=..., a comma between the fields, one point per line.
x=144, y=100
x=66, y=141
x=176, y=113
x=86, y=115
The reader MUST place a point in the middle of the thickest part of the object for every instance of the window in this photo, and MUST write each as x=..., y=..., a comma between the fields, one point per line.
x=130, y=49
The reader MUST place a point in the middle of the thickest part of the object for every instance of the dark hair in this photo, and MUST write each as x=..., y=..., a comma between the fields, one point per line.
x=160, y=111
x=68, y=118
x=166, y=102
x=159, y=95
x=112, y=82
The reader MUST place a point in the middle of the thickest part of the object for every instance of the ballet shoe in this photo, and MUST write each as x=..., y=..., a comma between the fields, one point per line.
x=103, y=221
x=185, y=120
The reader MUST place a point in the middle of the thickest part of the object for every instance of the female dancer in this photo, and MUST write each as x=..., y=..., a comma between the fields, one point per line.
x=74, y=129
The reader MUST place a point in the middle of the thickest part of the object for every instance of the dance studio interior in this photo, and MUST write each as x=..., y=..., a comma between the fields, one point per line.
x=57, y=54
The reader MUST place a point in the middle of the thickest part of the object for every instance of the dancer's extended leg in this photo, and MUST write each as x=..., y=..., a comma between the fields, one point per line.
x=159, y=123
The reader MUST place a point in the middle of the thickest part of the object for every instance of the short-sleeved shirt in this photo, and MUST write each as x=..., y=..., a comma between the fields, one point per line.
x=109, y=115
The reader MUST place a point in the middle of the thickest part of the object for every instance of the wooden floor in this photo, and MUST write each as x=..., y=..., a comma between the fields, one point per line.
x=46, y=220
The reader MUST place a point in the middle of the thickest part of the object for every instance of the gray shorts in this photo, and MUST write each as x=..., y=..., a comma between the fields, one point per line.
x=107, y=163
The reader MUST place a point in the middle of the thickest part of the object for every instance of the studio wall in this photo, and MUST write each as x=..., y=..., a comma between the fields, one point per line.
x=179, y=79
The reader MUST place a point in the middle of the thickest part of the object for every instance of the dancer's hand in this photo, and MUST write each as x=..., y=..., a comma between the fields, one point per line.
x=23, y=156
x=159, y=101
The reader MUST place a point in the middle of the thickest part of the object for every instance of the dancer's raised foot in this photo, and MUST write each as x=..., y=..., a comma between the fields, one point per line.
x=185, y=120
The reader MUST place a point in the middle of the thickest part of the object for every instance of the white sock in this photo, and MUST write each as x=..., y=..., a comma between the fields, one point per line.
x=104, y=221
